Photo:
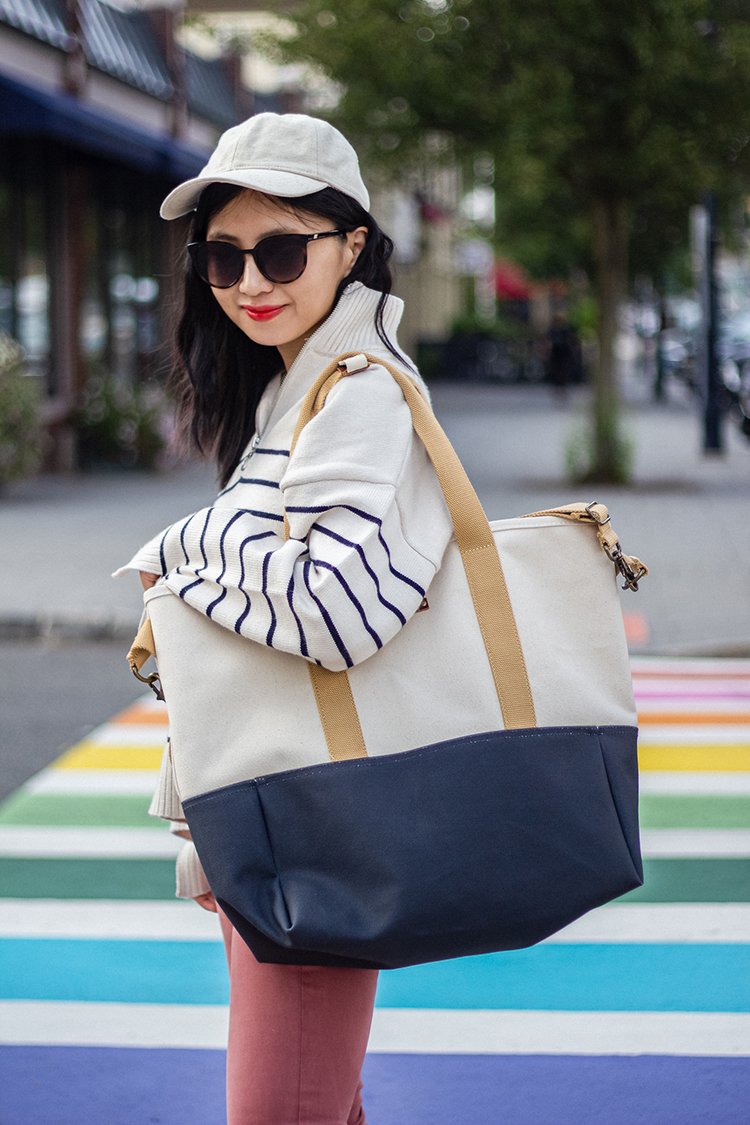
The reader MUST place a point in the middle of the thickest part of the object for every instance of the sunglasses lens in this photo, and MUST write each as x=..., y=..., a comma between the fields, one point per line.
x=282, y=257
x=218, y=263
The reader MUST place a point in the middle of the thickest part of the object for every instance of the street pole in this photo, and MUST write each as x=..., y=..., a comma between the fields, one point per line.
x=712, y=413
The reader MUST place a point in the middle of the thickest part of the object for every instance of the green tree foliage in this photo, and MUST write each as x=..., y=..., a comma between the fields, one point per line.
x=20, y=407
x=606, y=121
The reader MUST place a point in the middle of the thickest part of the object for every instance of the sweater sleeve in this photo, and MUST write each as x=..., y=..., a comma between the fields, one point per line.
x=368, y=529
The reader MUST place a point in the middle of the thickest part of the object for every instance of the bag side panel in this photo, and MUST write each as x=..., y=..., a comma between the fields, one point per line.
x=236, y=708
x=567, y=607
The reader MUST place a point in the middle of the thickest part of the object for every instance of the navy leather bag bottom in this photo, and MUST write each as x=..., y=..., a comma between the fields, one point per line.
x=484, y=843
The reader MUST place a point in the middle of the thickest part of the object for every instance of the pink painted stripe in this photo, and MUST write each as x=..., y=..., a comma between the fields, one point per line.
x=689, y=693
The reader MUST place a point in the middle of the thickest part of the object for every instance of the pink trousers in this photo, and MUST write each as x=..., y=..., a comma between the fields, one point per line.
x=297, y=1040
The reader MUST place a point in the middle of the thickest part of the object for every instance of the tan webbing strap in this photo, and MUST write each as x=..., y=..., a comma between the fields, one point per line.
x=141, y=650
x=630, y=567
x=338, y=713
x=480, y=559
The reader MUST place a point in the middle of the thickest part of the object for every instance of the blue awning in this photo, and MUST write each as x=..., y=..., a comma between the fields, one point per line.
x=34, y=112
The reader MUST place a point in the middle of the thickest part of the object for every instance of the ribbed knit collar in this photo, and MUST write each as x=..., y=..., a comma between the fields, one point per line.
x=350, y=327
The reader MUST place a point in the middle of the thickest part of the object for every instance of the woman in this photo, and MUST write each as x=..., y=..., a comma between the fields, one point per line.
x=287, y=270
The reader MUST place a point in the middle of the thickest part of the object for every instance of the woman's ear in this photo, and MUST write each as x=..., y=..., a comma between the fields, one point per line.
x=356, y=240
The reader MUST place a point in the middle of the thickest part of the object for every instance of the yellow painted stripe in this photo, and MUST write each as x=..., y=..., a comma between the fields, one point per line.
x=91, y=756
x=701, y=758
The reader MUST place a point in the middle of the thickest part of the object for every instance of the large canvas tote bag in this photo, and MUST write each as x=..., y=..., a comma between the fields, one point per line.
x=471, y=787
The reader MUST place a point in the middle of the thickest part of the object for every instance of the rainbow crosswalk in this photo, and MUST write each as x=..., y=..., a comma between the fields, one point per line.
x=113, y=994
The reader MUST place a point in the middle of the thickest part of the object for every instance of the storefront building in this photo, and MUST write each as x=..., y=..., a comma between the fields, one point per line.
x=101, y=113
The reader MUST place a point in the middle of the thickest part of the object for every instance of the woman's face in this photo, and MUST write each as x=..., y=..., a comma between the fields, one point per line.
x=282, y=315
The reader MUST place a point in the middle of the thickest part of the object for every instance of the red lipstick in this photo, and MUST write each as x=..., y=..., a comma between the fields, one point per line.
x=262, y=312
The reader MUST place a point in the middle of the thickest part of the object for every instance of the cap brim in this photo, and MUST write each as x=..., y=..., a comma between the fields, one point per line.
x=288, y=185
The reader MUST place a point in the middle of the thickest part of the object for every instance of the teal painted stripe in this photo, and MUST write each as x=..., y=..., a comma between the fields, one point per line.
x=693, y=880
x=699, y=978
x=667, y=880
x=87, y=878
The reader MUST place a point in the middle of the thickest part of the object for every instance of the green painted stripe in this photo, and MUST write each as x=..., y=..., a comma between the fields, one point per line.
x=693, y=880
x=658, y=810
x=667, y=880
x=87, y=878
x=101, y=810
x=94, y=810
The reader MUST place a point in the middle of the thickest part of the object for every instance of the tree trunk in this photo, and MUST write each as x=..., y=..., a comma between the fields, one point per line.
x=611, y=222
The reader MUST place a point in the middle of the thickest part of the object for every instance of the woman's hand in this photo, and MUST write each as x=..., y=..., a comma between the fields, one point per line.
x=207, y=901
x=148, y=580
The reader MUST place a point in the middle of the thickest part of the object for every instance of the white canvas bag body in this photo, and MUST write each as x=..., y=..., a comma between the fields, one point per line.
x=520, y=648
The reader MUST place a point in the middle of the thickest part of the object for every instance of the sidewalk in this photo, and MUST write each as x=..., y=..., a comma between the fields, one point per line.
x=687, y=516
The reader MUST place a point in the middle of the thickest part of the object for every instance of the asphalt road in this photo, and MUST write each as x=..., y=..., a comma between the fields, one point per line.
x=52, y=693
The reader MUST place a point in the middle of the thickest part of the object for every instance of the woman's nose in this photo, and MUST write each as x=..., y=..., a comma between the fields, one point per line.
x=252, y=280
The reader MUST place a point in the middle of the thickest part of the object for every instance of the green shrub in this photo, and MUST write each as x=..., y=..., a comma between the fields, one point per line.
x=20, y=415
x=119, y=425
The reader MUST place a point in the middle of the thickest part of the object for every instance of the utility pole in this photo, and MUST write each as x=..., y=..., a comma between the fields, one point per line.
x=705, y=245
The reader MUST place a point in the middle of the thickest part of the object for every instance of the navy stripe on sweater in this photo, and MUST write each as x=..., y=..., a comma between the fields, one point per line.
x=319, y=508
x=361, y=552
x=264, y=587
x=351, y=596
x=326, y=617
x=263, y=535
x=290, y=599
x=250, y=480
x=248, y=606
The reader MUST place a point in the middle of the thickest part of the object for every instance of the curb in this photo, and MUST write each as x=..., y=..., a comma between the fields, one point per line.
x=26, y=627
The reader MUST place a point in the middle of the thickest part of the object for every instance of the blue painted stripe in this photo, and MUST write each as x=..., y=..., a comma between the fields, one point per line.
x=122, y=1086
x=270, y=452
x=115, y=971
x=699, y=978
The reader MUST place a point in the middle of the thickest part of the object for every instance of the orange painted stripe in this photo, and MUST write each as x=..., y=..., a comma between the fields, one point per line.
x=140, y=715
x=687, y=718
x=687, y=674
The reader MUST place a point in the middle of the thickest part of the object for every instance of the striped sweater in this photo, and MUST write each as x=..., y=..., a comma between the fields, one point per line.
x=368, y=522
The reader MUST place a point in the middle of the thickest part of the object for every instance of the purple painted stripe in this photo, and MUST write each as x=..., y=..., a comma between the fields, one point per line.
x=61, y=1085
x=351, y=596
x=327, y=618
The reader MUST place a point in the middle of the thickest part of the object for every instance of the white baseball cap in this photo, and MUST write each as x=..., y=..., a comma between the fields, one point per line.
x=287, y=154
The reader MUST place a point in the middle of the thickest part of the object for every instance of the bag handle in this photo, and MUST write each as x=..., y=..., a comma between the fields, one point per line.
x=479, y=555
x=481, y=562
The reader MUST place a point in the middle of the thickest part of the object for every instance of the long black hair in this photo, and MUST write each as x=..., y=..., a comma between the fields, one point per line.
x=219, y=373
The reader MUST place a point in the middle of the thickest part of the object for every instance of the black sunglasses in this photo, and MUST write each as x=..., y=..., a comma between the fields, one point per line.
x=280, y=258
